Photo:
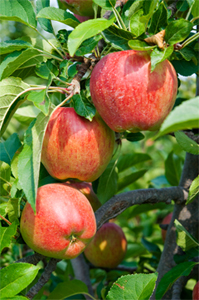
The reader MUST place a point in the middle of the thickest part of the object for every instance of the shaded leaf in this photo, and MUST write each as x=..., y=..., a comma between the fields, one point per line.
x=193, y=190
x=13, y=45
x=159, y=19
x=129, y=179
x=126, y=161
x=44, y=23
x=105, y=4
x=13, y=209
x=118, y=38
x=9, y=147
x=5, y=173
x=185, y=240
x=173, y=169
x=40, y=100
x=7, y=234
x=186, y=143
x=83, y=107
x=177, y=31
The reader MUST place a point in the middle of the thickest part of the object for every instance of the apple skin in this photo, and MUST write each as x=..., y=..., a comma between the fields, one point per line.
x=74, y=147
x=108, y=247
x=195, y=294
x=63, y=225
x=81, y=18
x=166, y=220
x=80, y=7
x=86, y=189
x=128, y=96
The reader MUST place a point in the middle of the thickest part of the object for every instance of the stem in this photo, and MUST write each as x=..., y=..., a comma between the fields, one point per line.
x=190, y=40
x=192, y=20
x=119, y=19
x=8, y=222
x=188, y=14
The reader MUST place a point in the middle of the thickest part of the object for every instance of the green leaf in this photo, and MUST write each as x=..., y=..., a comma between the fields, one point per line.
x=13, y=45
x=19, y=11
x=16, y=277
x=177, y=31
x=195, y=8
x=173, y=168
x=151, y=247
x=158, y=56
x=134, y=137
x=16, y=298
x=185, y=68
x=88, y=45
x=105, y=4
x=85, y=31
x=6, y=235
x=134, y=287
x=185, y=240
x=5, y=173
x=3, y=209
x=40, y=100
x=184, y=116
x=129, y=179
x=118, y=38
x=60, y=15
x=83, y=107
x=135, y=7
x=170, y=277
x=139, y=209
x=193, y=190
x=9, y=147
x=137, y=27
x=140, y=45
x=107, y=186
x=67, y=289
x=149, y=7
x=15, y=60
x=186, y=143
x=187, y=256
x=159, y=19
x=126, y=161
x=44, y=23
x=13, y=209
x=10, y=91
x=26, y=114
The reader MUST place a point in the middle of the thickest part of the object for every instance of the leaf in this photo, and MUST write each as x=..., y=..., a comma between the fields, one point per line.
x=195, y=9
x=170, y=277
x=159, y=19
x=19, y=11
x=135, y=7
x=85, y=31
x=183, y=116
x=10, y=91
x=134, y=287
x=67, y=289
x=88, y=45
x=177, y=31
x=186, y=143
x=126, y=161
x=187, y=256
x=9, y=147
x=40, y=100
x=151, y=247
x=185, y=68
x=107, y=186
x=44, y=23
x=83, y=107
x=139, y=209
x=129, y=179
x=5, y=173
x=13, y=45
x=134, y=137
x=118, y=38
x=57, y=14
x=15, y=60
x=185, y=240
x=7, y=234
x=105, y=4
x=158, y=56
x=173, y=168
x=13, y=209
x=193, y=190
x=137, y=27
x=16, y=298
x=3, y=209
x=149, y=7
x=16, y=277
x=140, y=45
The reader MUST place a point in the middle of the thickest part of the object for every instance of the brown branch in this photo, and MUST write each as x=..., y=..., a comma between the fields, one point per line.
x=117, y=204
x=32, y=259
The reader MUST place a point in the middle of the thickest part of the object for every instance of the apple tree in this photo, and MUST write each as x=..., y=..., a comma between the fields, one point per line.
x=152, y=171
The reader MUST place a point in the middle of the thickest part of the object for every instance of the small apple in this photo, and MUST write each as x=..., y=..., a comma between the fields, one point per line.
x=74, y=147
x=195, y=294
x=108, y=247
x=128, y=96
x=86, y=189
x=166, y=221
x=80, y=7
x=63, y=225
x=81, y=18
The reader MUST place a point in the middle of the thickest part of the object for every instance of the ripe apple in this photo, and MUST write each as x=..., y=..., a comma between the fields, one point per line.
x=128, y=96
x=74, y=147
x=86, y=189
x=81, y=18
x=166, y=221
x=195, y=294
x=63, y=225
x=108, y=247
x=80, y=7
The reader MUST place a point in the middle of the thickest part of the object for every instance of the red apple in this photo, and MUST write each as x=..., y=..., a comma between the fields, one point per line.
x=86, y=189
x=128, y=96
x=166, y=221
x=81, y=18
x=74, y=147
x=108, y=247
x=80, y=7
x=195, y=294
x=63, y=225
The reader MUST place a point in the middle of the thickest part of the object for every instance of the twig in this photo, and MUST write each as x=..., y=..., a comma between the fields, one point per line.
x=32, y=259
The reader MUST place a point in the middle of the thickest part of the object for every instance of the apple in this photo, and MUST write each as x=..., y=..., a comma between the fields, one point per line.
x=63, y=225
x=74, y=147
x=81, y=18
x=80, y=7
x=128, y=96
x=195, y=294
x=166, y=221
x=87, y=190
x=108, y=247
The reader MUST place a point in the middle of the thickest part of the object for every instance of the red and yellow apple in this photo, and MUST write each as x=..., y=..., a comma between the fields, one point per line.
x=166, y=221
x=86, y=189
x=63, y=225
x=80, y=7
x=108, y=247
x=195, y=294
x=74, y=147
x=128, y=96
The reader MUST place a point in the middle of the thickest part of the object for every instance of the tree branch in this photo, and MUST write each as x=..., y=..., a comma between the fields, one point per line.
x=32, y=259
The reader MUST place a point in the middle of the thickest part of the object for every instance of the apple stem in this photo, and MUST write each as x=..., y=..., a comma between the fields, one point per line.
x=190, y=40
